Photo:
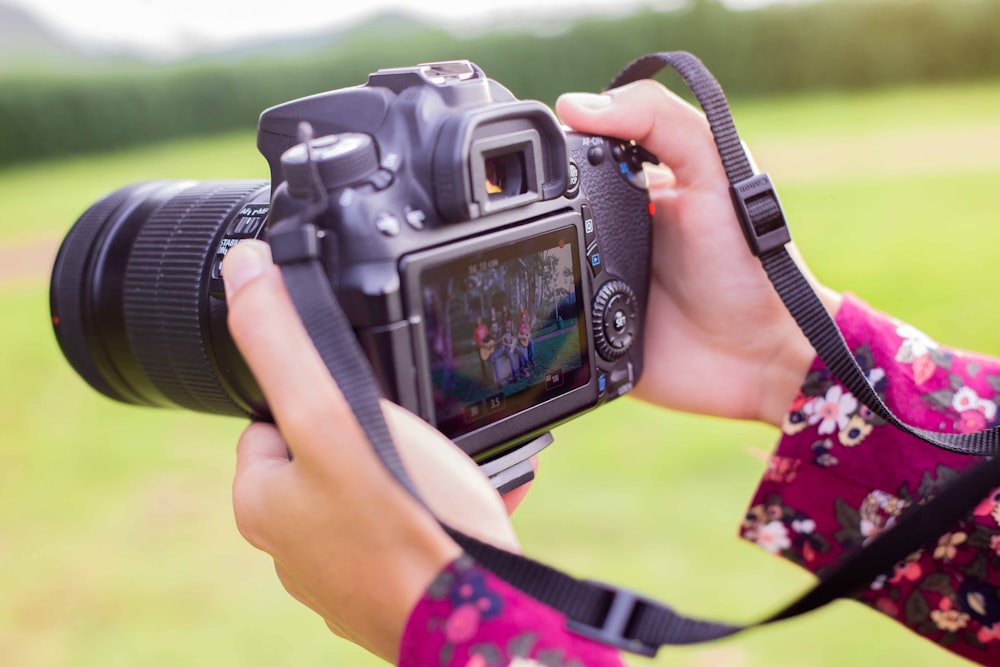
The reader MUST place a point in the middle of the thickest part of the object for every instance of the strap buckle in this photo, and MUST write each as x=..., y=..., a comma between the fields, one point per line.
x=620, y=615
x=760, y=214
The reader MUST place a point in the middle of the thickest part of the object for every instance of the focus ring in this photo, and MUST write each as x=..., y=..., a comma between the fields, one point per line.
x=166, y=309
x=70, y=288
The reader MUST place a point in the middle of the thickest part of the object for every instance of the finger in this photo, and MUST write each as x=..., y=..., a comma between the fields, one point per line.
x=661, y=182
x=449, y=481
x=269, y=334
x=260, y=450
x=260, y=446
x=290, y=585
x=677, y=133
x=513, y=499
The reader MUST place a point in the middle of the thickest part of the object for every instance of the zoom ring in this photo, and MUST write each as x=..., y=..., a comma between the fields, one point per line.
x=166, y=309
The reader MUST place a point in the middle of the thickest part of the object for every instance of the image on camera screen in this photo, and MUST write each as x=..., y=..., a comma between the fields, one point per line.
x=505, y=330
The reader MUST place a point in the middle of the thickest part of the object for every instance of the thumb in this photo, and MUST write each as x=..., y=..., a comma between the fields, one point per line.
x=646, y=111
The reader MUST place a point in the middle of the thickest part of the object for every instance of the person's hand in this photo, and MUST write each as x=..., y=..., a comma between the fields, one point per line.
x=717, y=339
x=347, y=541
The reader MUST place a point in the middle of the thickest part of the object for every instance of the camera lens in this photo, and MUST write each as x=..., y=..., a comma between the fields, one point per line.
x=134, y=305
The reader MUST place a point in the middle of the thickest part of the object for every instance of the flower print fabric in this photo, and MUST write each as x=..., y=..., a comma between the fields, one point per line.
x=840, y=476
x=470, y=618
x=832, y=412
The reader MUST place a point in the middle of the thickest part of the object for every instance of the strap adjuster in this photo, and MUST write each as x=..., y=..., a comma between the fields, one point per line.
x=617, y=621
x=760, y=214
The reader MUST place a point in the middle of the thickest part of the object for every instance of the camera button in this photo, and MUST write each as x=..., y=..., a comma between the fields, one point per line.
x=619, y=320
x=388, y=224
x=595, y=155
x=391, y=162
x=217, y=268
x=573, y=180
x=589, y=229
x=618, y=152
x=594, y=259
x=615, y=320
x=622, y=380
x=415, y=217
x=381, y=179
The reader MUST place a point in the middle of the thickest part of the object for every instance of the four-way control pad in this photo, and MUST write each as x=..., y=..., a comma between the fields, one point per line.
x=616, y=218
x=615, y=319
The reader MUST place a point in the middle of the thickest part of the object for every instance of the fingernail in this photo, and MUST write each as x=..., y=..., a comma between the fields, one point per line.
x=243, y=263
x=588, y=101
x=659, y=176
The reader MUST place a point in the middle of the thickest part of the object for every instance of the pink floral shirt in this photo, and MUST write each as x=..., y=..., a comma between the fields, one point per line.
x=839, y=476
x=470, y=618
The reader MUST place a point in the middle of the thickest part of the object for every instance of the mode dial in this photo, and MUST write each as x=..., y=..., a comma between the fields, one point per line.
x=340, y=159
x=615, y=320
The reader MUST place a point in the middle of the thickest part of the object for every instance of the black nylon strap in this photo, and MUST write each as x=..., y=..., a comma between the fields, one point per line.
x=814, y=320
x=602, y=612
x=710, y=96
x=295, y=247
x=585, y=604
x=793, y=288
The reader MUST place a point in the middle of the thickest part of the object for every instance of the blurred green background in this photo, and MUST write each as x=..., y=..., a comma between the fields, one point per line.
x=880, y=123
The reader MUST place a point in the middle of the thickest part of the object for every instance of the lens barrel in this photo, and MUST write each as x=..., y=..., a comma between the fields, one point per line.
x=134, y=305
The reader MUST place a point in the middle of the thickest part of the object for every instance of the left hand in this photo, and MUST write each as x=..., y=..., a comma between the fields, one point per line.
x=347, y=541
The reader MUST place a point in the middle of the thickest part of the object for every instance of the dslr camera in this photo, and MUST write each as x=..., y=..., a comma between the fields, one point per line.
x=494, y=267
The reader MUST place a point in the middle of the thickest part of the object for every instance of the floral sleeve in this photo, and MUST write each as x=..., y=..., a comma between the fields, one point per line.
x=470, y=618
x=840, y=475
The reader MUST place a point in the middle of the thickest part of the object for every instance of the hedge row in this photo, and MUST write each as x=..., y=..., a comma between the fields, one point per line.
x=832, y=44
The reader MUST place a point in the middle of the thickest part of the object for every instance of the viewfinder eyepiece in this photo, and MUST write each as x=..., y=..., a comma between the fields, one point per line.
x=505, y=175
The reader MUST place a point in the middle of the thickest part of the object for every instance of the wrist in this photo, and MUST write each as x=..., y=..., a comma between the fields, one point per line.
x=782, y=377
x=419, y=554
x=413, y=580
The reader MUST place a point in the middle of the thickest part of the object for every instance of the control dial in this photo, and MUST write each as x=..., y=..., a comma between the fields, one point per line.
x=616, y=315
x=341, y=159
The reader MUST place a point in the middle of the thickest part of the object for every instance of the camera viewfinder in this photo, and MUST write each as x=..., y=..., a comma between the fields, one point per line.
x=506, y=170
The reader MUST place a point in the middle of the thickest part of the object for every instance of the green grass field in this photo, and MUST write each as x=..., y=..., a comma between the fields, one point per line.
x=117, y=546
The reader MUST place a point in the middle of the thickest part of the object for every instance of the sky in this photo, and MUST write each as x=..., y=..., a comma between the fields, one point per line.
x=173, y=28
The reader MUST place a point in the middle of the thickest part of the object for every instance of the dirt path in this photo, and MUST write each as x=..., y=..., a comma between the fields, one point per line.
x=798, y=161
x=28, y=261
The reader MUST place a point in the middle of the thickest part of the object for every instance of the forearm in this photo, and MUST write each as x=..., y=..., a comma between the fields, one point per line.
x=468, y=617
x=781, y=377
x=840, y=476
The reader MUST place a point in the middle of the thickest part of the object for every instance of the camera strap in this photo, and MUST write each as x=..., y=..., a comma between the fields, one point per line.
x=603, y=612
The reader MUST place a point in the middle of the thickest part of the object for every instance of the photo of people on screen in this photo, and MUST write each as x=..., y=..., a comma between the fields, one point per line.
x=504, y=330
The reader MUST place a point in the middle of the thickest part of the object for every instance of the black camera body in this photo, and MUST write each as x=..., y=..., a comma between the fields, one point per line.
x=494, y=267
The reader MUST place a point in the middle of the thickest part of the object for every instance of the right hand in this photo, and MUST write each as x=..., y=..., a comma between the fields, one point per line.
x=718, y=339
